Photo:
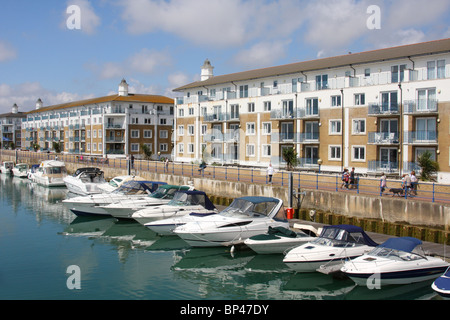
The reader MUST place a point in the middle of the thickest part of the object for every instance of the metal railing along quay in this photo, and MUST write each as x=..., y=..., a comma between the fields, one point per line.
x=426, y=191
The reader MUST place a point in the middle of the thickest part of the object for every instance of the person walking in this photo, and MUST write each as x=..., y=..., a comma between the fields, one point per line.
x=414, y=182
x=270, y=172
x=382, y=183
x=345, y=177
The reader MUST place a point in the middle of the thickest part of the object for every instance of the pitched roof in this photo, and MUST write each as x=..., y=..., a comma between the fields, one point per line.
x=129, y=98
x=406, y=51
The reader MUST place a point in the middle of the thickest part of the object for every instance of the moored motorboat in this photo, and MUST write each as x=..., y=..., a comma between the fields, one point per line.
x=280, y=239
x=334, y=245
x=33, y=169
x=442, y=285
x=85, y=181
x=396, y=261
x=92, y=205
x=6, y=167
x=183, y=203
x=244, y=218
x=116, y=182
x=163, y=195
x=50, y=173
x=20, y=170
x=165, y=227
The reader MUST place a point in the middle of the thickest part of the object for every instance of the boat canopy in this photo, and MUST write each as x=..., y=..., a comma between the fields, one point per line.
x=406, y=244
x=255, y=207
x=193, y=197
x=138, y=186
x=88, y=170
x=349, y=233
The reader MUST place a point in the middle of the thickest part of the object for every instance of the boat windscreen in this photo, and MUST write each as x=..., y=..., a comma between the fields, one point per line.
x=247, y=208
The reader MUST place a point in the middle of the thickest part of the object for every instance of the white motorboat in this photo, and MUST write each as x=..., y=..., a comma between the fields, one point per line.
x=116, y=182
x=183, y=203
x=6, y=167
x=396, y=261
x=244, y=218
x=163, y=195
x=85, y=181
x=33, y=169
x=334, y=245
x=50, y=173
x=20, y=170
x=165, y=227
x=92, y=205
x=280, y=240
x=442, y=285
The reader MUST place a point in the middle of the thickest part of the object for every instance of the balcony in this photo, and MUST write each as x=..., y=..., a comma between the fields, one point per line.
x=384, y=109
x=420, y=137
x=308, y=137
x=216, y=117
x=277, y=137
x=308, y=113
x=383, y=138
x=383, y=166
x=282, y=114
x=421, y=106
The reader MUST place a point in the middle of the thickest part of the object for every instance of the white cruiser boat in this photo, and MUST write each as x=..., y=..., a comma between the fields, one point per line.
x=165, y=227
x=244, y=218
x=116, y=182
x=20, y=170
x=85, y=181
x=280, y=240
x=334, y=245
x=7, y=167
x=442, y=285
x=50, y=173
x=92, y=205
x=183, y=203
x=163, y=195
x=396, y=261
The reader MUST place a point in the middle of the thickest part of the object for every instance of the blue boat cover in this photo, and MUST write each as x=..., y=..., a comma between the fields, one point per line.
x=443, y=282
x=259, y=199
x=353, y=229
x=406, y=244
x=201, y=197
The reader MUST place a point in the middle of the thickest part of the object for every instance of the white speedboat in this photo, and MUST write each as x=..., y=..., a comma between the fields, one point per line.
x=442, y=285
x=20, y=170
x=244, y=218
x=6, y=167
x=334, y=245
x=163, y=195
x=280, y=240
x=50, y=173
x=183, y=203
x=92, y=205
x=85, y=181
x=116, y=182
x=165, y=227
x=396, y=261
x=33, y=169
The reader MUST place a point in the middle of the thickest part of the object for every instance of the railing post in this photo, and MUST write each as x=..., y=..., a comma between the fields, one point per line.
x=252, y=175
x=317, y=181
x=433, y=193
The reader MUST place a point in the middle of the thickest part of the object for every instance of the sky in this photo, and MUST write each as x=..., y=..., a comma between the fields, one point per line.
x=68, y=50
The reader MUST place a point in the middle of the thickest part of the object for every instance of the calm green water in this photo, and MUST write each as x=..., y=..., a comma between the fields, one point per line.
x=40, y=239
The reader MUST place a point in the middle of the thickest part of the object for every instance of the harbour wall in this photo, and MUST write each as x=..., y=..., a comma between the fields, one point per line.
x=429, y=221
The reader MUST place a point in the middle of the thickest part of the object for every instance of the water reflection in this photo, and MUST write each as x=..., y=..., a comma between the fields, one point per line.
x=155, y=267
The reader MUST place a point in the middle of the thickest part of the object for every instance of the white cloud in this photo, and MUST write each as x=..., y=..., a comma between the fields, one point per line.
x=145, y=61
x=90, y=21
x=7, y=52
x=262, y=54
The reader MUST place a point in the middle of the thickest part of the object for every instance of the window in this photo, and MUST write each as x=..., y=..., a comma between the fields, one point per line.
x=288, y=108
x=335, y=153
x=162, y=121
x=148, y=134
x=134, y=147
x=191, y=130
x=163, y=147
x=243, y=91
x=358, y=126
x=181, y=130
x=367, y=72
x=204, y=129
x=426, y=100
x=134, y=133
x=267, y=105
x=336, y=101
x=436, y=69
x=335, y=126
x=190, y=148
x=250, y=128
x=322, y=82
x=359, y=153
x=267, y=150
x=250, y=150
x=191, y=111
x=267, y=128
x=360, y=99
x=398, y=73
x=100, y=133
x=234, y=111
x=312, y=107
x=181, y=148
x=251, y=107
x=163, y=134
x=181, y=112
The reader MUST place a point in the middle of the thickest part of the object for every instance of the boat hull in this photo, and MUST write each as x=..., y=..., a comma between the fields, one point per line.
x=442, y=285
x=280, y=245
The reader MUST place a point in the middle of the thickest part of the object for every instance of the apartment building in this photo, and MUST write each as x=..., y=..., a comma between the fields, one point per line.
x=376, y=111
x=113, y=126
x=11, y=128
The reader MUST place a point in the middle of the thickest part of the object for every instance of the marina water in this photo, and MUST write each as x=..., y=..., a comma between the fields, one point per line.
x=46, y=252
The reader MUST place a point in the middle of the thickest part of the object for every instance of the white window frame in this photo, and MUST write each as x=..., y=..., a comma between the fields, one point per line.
x=180, y=130
x=266, y=128
x=331, y=125
x=359, y=120
x=148, y=134
x=330, y=152
x=134, y=134
x=191, y=130
x=250, y=129
x=134, y=147
x=266, y=150
x=359, y=159
x=250, y=150
x=181, y=148
x=191, y=148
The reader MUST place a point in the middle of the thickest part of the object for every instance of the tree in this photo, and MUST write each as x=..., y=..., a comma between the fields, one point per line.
x=57, y=147
x=428, y=166
x=291, y=158
x=146, y=151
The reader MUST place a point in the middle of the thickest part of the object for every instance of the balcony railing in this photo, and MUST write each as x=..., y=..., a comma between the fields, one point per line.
x=383, y=166
x=383, y=138
x=420, y=106
x=420, y=137
x=308, y=137
x=383, y=109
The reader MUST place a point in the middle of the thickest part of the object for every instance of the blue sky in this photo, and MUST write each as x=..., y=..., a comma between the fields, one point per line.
x=159, y=45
